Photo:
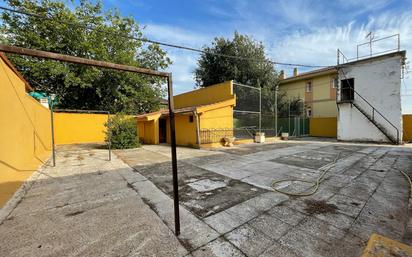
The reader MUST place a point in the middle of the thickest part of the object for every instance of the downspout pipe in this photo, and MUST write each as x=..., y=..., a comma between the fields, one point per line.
x=197, y=128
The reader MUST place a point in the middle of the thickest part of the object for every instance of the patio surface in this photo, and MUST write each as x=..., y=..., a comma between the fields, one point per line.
x=84, y=207
x=87, y=206
x=229, y=190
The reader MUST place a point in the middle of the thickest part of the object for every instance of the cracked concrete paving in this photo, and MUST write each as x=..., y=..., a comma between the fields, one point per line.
x=90, y=207
x=83, y=207
x=368, y=193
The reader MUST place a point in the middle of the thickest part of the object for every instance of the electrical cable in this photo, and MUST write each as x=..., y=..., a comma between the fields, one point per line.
x=146, y=40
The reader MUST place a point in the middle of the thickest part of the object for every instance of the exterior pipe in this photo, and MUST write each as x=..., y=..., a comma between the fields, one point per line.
x=52, y=133
x=199, y=143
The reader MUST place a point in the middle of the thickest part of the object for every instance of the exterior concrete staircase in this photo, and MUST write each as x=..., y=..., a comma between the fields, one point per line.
x=371, y=117
x=381, y=128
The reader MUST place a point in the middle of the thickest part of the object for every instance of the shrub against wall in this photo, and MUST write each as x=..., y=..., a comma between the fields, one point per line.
x=121, y=130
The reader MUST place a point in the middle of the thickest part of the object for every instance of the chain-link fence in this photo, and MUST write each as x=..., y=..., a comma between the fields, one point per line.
x=260, y=110
x=247, y=112
x=268, y=112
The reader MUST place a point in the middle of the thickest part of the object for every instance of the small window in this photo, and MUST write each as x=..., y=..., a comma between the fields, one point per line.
x=191, y=118
x=309, y=86
x=308, y=112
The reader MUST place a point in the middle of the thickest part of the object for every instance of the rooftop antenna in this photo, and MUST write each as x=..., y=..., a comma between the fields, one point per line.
x=371, y=37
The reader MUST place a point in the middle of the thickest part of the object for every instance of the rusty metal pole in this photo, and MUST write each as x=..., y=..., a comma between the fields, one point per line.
x=52, y=132
x=174, y=155
x=109, y=135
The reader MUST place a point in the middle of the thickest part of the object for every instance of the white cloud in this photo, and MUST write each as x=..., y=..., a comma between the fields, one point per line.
x=182, y=70
x=300, y=12
x=316, y=45
x=320, y=44
x=364, y=4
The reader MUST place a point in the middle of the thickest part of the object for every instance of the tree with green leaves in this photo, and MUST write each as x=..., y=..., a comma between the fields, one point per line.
x=251, y=68
x=85, y=31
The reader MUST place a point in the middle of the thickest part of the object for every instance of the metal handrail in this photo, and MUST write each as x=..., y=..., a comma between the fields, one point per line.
x=373, y=110
x=376, y=40
x=339, y=54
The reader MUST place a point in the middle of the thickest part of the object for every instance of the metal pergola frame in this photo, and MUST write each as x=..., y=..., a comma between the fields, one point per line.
x=120, y=67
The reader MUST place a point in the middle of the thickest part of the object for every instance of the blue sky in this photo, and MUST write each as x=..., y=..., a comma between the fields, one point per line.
x=293, y=31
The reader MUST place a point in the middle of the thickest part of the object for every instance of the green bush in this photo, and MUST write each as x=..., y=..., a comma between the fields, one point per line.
x=122, y=132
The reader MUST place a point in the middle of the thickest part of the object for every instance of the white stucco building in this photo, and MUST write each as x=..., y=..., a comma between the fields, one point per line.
x=369, y=99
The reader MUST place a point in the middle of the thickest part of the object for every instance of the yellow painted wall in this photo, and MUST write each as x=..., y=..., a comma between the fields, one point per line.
x=185, y=131
x=148, y=131
x=323, y=127
x=324, y=109
x=25, y=133
x=323, y=104
x=293, y=89
x=203, y=96
x=407, y=127
x=321, y=87
x=141, y=129
x=218, y=118
x=186, y=134
x=76, y=128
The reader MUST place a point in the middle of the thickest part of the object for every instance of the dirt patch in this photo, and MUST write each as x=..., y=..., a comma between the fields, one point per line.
x=318, y=207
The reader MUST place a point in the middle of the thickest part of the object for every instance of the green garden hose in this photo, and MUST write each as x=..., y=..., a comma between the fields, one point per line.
x=315, y=184
x=409, y=180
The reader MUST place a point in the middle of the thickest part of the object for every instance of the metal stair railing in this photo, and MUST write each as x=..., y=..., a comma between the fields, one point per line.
x=374, y=112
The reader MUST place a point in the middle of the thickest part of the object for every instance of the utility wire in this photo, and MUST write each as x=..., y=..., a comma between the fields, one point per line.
x=146, y=40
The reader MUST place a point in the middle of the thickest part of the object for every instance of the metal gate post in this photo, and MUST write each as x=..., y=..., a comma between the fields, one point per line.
x=276, y=110
x=109, y=136
x=289, y=117
x=260, y=109
x=52, y=130
x=174, y=156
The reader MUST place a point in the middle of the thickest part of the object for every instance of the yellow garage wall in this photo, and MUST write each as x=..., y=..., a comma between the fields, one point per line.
x=185, y=131
x=25, y=133
x=407, y=127
x=323, y=127
x=208, y=95
x=217, y=119
x=77, y=128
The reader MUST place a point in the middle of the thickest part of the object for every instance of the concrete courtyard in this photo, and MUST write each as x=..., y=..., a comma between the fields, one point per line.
x=87, y=206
